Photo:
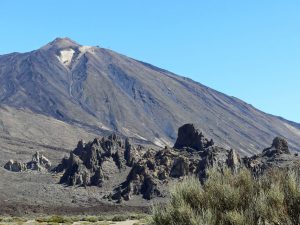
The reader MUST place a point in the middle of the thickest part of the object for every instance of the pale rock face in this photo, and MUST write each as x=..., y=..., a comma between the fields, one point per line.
x=84, y=49
x=69, y=55
x=66, y=56
x=39, y=163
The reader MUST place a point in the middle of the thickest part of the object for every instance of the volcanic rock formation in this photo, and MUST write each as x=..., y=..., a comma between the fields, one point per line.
x=15, y=166
x=194, y=155
x=190, y=137
x=278, y=155
x=38, y=163
x=151, y=170
x=90, y=164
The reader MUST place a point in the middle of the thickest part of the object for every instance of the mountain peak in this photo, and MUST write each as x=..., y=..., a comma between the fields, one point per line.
x=67, y=50
x=62, y=43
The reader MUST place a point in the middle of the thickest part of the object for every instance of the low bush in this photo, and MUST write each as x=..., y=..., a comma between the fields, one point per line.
x=55, y=219
x=233, y=199
x=119, y=218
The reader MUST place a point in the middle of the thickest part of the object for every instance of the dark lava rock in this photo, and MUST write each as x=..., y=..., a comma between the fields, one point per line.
x=278, y=155
x=129, y=153
x=279, y=146
x=190, y=137
x=84, y=167
x=139, y=181
x=155, y=168
x=152, y=170
x=146, y=175
x=180, y=167
x=219, y=158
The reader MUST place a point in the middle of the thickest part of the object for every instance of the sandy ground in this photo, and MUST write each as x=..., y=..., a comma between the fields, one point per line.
x=128, y=222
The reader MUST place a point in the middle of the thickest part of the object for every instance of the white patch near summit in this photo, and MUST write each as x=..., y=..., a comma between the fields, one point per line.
x=84, y=49
x=66, y=56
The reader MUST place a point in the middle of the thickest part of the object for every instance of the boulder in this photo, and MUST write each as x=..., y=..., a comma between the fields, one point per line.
x=39, y=163
x=279, y=146
x=15, y=166
x=190, y=137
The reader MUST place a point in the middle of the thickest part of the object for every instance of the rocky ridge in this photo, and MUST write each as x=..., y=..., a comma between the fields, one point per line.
x=278, y=155
x=151, y=169
x=148, y=170
x=92, y=163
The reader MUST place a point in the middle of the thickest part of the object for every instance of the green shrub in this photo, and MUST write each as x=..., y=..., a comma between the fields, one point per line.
x=118, y=218
x=233, y=199
x=55, y=219
x=91, y=219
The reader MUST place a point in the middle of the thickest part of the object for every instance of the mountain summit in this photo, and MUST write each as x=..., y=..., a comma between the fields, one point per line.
x=99, y=90
x=60, y=43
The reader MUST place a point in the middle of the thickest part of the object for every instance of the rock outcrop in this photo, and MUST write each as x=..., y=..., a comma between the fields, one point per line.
x=278, y=155
x=279, y=146
x=38, y=163
x=193, y=154
x=149, y=171
x=219, y=158
x=146, y=175
x=190, y=137
x=140, y=181
x=180, y=167
x=90, y=164
x=234, y=161
x=15, y=166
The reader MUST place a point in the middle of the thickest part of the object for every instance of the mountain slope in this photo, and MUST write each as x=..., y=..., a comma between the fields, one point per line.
x=101, y=90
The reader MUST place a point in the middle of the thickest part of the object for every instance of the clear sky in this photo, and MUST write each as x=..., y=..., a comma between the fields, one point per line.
x=248, y=49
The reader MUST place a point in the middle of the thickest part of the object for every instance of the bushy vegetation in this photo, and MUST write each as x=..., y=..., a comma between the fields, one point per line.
x=234, y=199
x=56, y=219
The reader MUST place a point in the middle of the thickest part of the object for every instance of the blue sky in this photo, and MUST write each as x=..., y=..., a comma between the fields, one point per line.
x=247, y=49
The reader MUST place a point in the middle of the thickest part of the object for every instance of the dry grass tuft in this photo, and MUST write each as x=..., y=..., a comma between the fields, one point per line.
x=228, y=199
